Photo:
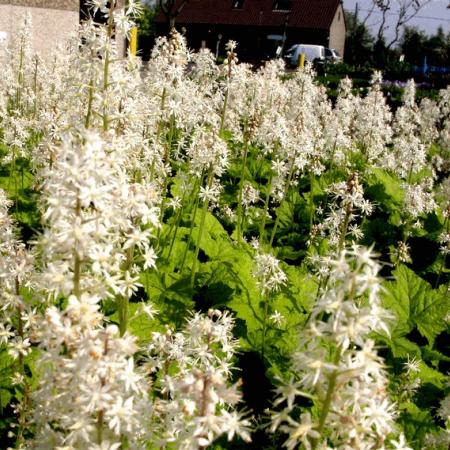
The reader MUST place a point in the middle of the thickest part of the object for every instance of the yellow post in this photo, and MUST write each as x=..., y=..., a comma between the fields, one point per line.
x=301, y=60
x=133, y=41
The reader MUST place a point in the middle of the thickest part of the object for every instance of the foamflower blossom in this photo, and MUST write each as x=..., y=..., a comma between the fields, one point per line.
x=197, y=402
x=270, y=277
x=337, y=365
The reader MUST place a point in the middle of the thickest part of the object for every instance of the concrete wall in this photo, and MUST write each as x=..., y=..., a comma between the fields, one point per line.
x=68, y=5
x=337, y=31
x=53, y=21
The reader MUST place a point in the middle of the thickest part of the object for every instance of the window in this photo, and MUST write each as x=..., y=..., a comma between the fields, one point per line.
x=282, y=5
x=238, y=4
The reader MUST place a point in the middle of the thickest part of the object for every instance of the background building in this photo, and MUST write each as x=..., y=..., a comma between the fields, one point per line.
x=260, y=26
x=53, y=21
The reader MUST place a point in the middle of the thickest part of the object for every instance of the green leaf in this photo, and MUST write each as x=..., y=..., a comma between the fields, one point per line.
x=416, y=423
x=416, y=304
x=401, y=347
x=429, y=375
x=6, y=371
x=139, y=323
x=433, y=356
x=214, y=240
x=385, y=190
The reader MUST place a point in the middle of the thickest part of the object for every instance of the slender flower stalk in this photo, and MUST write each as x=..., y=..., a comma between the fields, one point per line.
x=197, y=401
x=206, y=199
x=270, y=278
x=17, y=316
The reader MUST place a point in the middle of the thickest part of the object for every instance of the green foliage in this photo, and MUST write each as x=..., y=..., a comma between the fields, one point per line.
x=420, y=318
x=416, y=46
x=416, y=423
x=416, y=305
x=146, y=31
x=18, y=181
x=358, y=42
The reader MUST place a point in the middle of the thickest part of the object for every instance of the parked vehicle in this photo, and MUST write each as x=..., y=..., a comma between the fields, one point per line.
x=313, y=53
x=332, y=55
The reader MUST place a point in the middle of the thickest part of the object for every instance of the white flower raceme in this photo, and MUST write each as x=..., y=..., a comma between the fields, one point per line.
x=91, y=210
x=337, y=365
x=270, y=277
x=90, y=392
x=372, y=129
x=347, y=205
x=197, y=401
x=18, y=316
x=409, y=152
x=207, y=152
x=340, y=123
x=19, y=93
x=16, y=273
x=418, y=199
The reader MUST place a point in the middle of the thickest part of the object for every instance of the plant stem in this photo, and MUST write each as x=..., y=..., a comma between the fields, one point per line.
x=348, y=211
x=200, y=231
x=328, y=398
x=176, y=225
x=444, y=260
x=222, y=116
x=265, y=211
x=20, y=76
x=99, y=426
x=24, y=403
x=194, y=214
x=266, y=307
x=106, y=64
x=90, y=101
x=35, y=103
x=241, y=189
x=76, y=257
x=311, y=202
x=123, y=301
x=277, y=220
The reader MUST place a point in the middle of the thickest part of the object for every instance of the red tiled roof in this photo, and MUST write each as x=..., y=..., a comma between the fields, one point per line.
x=304, y=13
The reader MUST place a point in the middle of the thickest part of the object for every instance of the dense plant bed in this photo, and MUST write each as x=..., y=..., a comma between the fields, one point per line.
x=212, y=256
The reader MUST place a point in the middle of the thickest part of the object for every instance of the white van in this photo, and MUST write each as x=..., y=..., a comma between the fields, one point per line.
x=313, y=53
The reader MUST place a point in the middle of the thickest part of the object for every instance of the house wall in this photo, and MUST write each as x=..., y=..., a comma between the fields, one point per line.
x=337, y=31
x=53, y=21
x=68, y=5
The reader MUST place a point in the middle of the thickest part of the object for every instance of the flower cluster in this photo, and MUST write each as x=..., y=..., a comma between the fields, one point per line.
x=337, y=365
x=196, y=402
x=270, y=277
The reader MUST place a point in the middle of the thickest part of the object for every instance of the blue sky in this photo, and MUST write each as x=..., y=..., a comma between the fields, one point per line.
x=431, y=16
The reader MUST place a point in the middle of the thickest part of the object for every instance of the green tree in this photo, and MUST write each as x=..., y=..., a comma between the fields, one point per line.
x=146, y=30
x=412, y=45
x=358, y=42
x=416, y=45
x=437, y=48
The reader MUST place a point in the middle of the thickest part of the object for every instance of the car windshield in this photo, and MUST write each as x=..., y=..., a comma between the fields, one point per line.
x=291, y=49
